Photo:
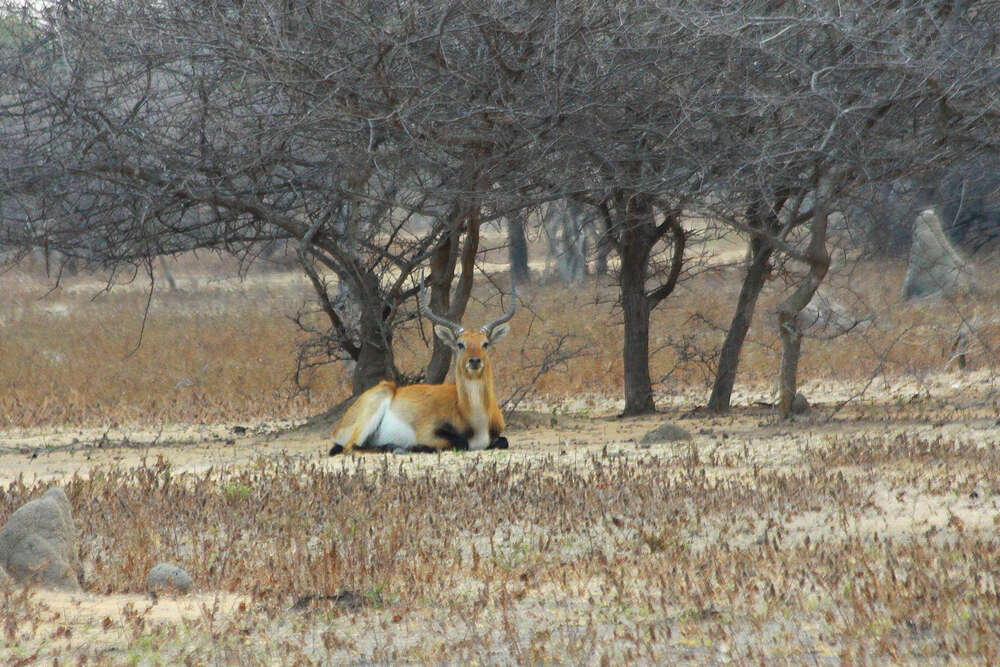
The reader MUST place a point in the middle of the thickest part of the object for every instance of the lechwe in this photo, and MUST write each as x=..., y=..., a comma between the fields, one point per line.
x=432, y=417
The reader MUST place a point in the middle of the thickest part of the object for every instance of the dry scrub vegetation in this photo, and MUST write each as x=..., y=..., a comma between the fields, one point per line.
x=222, y=350
x=871, y=547
x=867, y=538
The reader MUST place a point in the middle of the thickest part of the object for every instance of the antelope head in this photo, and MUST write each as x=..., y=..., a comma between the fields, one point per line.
x=469, y=346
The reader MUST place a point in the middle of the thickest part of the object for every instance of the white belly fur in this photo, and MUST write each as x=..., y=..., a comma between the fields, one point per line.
x=394, y=431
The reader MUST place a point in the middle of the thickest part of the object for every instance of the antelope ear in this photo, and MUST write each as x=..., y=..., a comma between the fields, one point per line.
x=498, y=333
x=446, y=335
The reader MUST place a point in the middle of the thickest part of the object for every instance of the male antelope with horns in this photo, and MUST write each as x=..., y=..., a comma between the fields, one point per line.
x=432, y=417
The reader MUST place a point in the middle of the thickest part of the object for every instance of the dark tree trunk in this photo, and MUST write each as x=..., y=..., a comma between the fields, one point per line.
x=601, y=258
x=630, y=222
x=761, y=250
x=518, y=250
x=636, y=242
x=442, y=272
x=732, y=348
x=635, y=306
x=375, y=360
x=443, y=262
x=437, y=367
x=375, y=363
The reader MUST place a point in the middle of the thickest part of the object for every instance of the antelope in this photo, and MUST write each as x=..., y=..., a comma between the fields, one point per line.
x=433, y=417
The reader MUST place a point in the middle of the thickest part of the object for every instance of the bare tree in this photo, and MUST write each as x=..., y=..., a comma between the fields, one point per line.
x=134, y=130
x=143, y=130
x=618, y=102
x=572, y=230
x=814, y=105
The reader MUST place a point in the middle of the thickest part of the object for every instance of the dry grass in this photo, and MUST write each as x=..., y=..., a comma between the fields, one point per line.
x=871, y=539
x=629, y=556
x=223, y=350
x=212, y=351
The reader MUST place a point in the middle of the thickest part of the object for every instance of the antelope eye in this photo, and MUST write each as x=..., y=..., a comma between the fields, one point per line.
x=461, y=345
x=485, y=345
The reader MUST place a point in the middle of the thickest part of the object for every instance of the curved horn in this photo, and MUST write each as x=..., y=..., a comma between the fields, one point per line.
x=426, y=308
x=488, y=329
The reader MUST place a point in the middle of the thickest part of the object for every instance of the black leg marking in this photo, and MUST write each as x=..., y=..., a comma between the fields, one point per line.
x=454, y=438
x=499, y=443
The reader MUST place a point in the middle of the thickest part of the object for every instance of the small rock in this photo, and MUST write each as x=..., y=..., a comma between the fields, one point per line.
x=800, y=405
x=169, y=578
x=38, y=543
x=665, y=433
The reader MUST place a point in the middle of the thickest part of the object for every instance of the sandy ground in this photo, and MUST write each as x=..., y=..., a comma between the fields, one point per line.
x=963, y=410
x=949, y=404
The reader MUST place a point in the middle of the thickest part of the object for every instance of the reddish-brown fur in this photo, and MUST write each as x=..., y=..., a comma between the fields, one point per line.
x=467, y=409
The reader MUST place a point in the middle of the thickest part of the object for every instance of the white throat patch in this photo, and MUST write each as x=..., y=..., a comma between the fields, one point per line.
x=478, y=419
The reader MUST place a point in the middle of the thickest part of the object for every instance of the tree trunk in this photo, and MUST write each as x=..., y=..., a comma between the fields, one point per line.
x=633, y=228
x=167, y=274
x=817, y=258
x=729, y=358
x=375, y=360
x=763, y=219
x=518, y=250
x=601, y=258
x=442, y=272
x=634, y=252
x=638, y=386
x=791, y=349
x=443, y=263
x=375, y=363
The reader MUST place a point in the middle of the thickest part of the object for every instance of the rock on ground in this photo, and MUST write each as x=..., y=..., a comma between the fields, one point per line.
x=168, y=577
x=38, y=543
x=665, y=433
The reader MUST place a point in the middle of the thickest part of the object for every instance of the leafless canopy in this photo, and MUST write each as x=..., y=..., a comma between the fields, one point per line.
x=378, y=138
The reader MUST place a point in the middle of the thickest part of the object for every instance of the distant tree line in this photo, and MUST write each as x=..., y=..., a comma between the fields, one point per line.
x=131, y=130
